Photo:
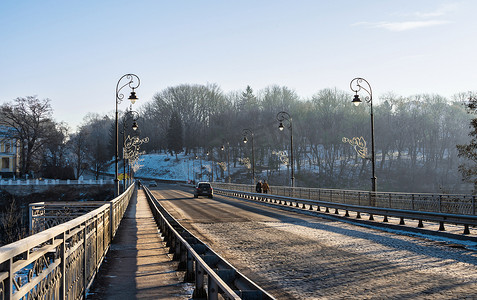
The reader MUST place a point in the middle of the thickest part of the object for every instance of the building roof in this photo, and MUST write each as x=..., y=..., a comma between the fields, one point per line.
x=6, y=130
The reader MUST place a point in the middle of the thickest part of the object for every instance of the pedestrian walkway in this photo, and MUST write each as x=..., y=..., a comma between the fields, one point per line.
x=138, y=265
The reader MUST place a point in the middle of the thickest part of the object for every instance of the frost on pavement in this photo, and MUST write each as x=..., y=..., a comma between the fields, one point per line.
x=328, y=260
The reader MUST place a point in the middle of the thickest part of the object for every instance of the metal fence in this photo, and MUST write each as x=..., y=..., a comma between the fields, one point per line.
x=54, y=181
x=60, y=262
x=200, y=262
x=439, y=203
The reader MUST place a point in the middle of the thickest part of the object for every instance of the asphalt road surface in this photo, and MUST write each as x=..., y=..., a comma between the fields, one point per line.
x=297, y=256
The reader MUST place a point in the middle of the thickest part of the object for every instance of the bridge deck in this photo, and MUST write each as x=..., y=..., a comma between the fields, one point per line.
x=137, y=265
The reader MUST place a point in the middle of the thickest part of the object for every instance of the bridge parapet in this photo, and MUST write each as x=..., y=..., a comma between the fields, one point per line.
x=28, y=187
x=426, y=202
x=7, y=182
x=346, y=201
x=200, y=262
x=60, y=262
x=44, y=215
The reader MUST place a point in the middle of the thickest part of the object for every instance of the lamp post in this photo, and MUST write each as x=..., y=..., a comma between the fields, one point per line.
x=193, y=168
x=228, y=161
x=129, y=115
x=201, y=167
x=211, y=166
x=188, y=162
x=281, y=117
x=133, y=82
x=356, y=85
x=248, y=132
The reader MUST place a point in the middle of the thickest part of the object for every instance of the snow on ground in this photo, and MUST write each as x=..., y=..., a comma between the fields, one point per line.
x=184, y=167
x=162, y=166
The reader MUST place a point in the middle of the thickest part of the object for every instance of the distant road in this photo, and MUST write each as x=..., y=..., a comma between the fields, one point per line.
x=296, y=256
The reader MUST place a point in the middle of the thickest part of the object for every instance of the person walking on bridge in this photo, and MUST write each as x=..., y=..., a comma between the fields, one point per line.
x=258, y=187
x=266, y=187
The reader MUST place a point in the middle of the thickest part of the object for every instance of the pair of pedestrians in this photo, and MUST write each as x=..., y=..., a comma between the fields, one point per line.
x=262, y=187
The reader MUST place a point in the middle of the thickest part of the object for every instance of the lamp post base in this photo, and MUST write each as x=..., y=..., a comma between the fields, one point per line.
x=116, y=187
x=374, y=186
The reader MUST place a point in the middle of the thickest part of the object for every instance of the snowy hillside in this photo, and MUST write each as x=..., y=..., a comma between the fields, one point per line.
x=163, y=166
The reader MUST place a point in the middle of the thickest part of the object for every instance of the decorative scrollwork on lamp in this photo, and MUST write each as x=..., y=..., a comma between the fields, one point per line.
x=283, y=156
x=359, y=145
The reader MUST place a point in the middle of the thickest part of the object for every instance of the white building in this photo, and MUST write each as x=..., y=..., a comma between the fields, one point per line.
x=9, y=153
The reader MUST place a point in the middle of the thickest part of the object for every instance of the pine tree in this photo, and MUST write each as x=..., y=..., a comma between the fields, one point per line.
x=248, y=101
x=174, y=134
x=469, y=151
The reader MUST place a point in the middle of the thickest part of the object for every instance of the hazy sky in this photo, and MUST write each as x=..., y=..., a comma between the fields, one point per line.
x=74, y=52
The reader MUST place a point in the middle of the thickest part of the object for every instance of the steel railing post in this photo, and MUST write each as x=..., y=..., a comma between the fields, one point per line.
x=190, y=275
x=440, y=203
x=30, y=218
x=63, y=266
x=212, y=289
x=473, y=205
x=111, y=221
x=199, y=291
x=85, y=259
x=183, y=258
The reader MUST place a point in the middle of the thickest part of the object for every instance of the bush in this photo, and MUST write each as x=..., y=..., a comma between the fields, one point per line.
x=12, y=227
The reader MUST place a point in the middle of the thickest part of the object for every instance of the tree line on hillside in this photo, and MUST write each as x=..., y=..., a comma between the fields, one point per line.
x=415, y=137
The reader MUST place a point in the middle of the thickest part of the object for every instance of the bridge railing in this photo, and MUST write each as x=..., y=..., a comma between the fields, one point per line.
x=60, y=262
x=44, y=215
x=438, y=203
x=54, y=181
x=199, y=261
x=337, y=199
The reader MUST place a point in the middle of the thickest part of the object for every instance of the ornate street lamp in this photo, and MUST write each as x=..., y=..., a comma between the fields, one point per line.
x=132, y=153
x=188, y=169
x=356, y=85
x=248, y=132
x=133, y=82
x=193, y=166
x=228, y=154
x=210, y=156
x=283, y=116
x=128, y=116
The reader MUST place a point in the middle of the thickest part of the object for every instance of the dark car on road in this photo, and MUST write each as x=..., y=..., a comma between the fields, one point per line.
x=203, y=189
x=152, y=183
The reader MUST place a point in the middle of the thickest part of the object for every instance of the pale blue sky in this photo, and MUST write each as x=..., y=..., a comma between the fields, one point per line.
x=74, y=52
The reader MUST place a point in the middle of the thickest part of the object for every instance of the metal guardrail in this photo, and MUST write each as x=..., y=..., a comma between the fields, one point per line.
x=461, y=204
x=198, y=260
x=54, y=182
x=402, y=214
x=60, y=262
x=44, y=215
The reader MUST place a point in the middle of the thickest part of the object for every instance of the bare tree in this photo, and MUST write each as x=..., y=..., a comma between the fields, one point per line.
x=31, y=119
x=198, y=107
x=77, y=144
x=95, y=144
x=11, y=224
x=469, y=151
